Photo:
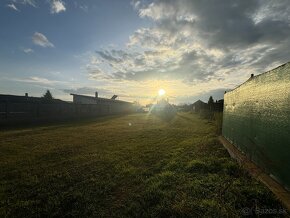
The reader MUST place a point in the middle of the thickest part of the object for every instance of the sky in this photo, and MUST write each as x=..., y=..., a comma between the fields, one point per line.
x=192, y=49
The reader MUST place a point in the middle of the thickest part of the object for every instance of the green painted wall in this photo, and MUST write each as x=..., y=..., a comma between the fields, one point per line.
x=257, y=121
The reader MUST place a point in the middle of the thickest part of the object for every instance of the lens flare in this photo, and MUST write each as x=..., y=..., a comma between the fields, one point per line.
x=161, y=92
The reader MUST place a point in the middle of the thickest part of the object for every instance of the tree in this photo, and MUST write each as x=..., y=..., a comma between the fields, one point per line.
x=210, y=103
x=47, y=96
x=210, y=100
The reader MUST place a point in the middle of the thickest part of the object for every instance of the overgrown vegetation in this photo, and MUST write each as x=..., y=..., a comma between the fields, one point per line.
x=213, y=116
x=218, y=121
x=132, y=166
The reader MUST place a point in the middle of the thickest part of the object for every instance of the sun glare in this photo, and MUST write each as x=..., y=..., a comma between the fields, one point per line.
x=161, y=92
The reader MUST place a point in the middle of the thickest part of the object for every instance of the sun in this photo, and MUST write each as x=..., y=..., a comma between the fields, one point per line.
x=161, y=92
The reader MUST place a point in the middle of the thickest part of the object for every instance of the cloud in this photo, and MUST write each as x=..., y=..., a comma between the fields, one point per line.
x=26, y=2
x=89, y=91
x=201, y=41
x=37, y=80
x=85, y=8
x=196, y=47
x=28, y=50
x=226, y=25
x=12, y=6
x=29, y=2
x=57, y=6
x=41, y=40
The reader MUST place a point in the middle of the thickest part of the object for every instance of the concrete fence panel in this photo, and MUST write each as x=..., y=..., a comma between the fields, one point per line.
x=18, y=112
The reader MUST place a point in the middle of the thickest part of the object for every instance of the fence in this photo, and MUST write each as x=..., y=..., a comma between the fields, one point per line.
x=23, y=112
x=257, y=121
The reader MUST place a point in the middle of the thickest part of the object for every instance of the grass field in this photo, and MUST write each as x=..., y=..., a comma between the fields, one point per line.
x=130, y=166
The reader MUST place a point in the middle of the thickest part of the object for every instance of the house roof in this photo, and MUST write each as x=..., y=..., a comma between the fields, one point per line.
x=199, y=102
x=101, y=99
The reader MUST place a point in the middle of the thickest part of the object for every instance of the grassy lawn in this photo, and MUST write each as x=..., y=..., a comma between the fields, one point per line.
x=131, y=166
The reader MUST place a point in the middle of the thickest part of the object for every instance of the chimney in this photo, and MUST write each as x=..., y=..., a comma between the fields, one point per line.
x=96, y=94
x=26, y=94
x=252, y=75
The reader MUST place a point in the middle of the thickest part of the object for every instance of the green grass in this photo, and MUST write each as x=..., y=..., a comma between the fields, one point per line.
x=108, y=168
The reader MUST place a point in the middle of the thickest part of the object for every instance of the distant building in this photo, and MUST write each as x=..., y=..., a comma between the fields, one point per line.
x=184, y=107
x=199, y=105
x=84, y=99
x=161, y=105
x=163, y=109
x=25, y=99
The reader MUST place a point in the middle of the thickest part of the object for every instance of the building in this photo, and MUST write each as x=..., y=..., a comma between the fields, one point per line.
x=199, y=105
x=84, y=99
x=108, y=105
x=163, y=109
x=161, y=106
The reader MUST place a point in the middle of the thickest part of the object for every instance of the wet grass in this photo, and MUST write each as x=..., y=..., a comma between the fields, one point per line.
x=131, y=166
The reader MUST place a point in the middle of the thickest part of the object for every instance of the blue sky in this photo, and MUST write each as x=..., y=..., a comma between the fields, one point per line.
x=133, y=48
x=84, y=26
